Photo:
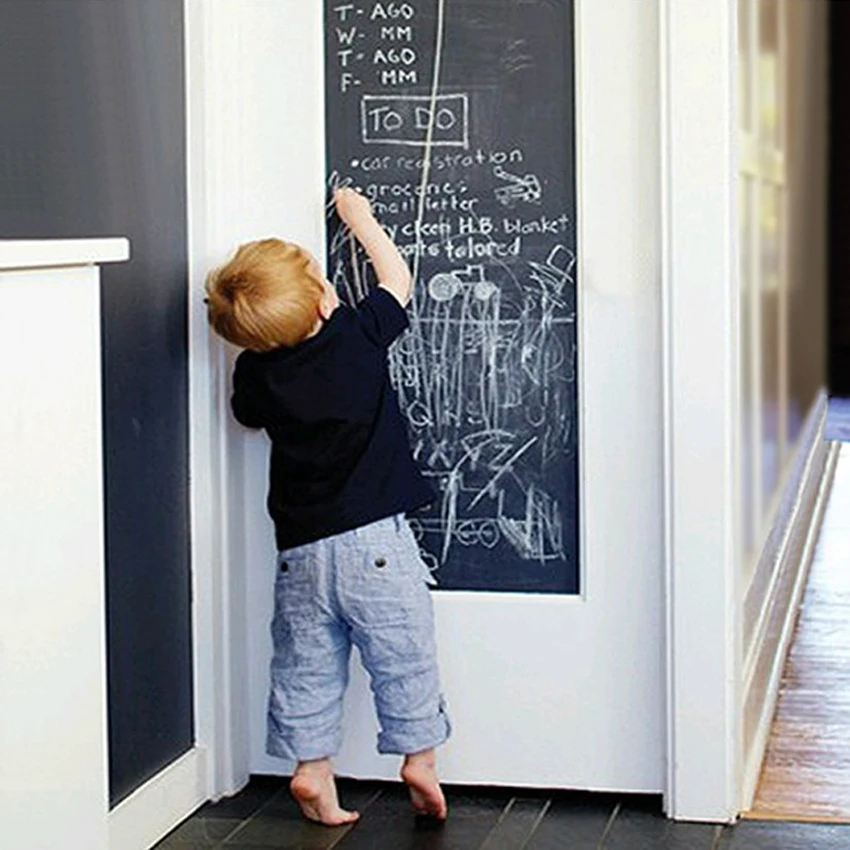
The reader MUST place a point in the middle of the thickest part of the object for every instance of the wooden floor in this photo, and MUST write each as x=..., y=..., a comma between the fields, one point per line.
x=806, y=775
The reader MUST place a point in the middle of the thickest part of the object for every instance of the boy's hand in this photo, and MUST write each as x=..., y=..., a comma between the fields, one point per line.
x=352, y=207
x=390, y=267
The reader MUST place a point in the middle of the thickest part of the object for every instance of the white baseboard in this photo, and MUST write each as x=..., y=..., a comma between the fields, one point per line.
x=153, y=810
x=789, y=559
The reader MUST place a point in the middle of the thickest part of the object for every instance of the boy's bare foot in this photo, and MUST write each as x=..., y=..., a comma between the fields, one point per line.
x=314, y=788
x=419, y=772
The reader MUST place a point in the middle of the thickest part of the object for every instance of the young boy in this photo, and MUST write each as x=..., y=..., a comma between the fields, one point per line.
x=315, y=376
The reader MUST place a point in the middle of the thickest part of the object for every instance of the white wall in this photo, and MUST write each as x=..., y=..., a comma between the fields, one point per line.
x=783, y=141
x=285, y=47
x=807, y=140
x=250, y=119
x=783, y=371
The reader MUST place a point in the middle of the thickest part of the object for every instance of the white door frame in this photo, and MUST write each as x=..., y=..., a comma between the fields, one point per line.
x=699, y=165
x=218, y=636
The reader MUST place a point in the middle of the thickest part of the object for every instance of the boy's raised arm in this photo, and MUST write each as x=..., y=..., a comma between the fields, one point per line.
x=390, y=267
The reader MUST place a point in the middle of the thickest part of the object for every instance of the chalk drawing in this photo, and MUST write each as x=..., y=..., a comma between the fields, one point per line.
x=525, y=188
x=485, y=377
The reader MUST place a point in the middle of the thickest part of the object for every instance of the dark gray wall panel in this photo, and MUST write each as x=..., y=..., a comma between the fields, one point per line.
x=92, y=143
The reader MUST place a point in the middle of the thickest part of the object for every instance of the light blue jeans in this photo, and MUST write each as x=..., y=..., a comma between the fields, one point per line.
x=366, y=587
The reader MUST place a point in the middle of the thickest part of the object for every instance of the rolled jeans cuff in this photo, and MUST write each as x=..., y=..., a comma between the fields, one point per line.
x=301, y=745
x=403, y=737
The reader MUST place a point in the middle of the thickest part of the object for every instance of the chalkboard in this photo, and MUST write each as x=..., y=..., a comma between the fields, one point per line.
x=477, y=96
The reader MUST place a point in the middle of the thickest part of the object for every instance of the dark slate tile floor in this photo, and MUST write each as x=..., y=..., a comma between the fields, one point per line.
x=264, y=817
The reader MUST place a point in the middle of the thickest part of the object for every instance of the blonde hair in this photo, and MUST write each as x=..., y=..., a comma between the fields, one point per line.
x=267, y=295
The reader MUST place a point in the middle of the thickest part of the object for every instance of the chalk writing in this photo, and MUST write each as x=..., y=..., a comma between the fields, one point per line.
x=404, y=120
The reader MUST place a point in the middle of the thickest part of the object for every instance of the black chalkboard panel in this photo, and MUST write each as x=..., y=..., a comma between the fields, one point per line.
x=480, y=95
